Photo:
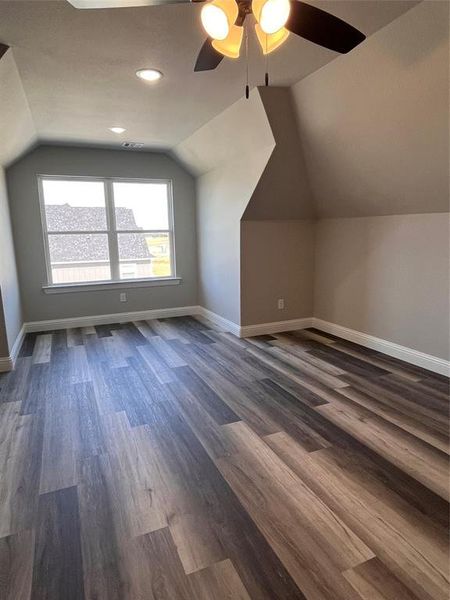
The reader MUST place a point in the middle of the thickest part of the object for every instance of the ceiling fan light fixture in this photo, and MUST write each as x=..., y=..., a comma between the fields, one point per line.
x=231, y=45
x=272, y=15
x=270, y=42
x=218, y=17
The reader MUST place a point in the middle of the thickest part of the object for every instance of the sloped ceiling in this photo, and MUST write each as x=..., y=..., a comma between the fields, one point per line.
x=78, y=67
x=375, y=123
x=283, y=191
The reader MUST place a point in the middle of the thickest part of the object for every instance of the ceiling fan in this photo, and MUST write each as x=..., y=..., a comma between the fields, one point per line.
x=223, y=21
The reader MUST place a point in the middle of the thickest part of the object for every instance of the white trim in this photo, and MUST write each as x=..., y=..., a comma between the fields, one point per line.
x=6, y=364
x=275, y=327
x=125, y=317
x=415, y=357
x=111, y=230
x=218, y=320
x=17, y=345
x=97, y=286
x=250, y=330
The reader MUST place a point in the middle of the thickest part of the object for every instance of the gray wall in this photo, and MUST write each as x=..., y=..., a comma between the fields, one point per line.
x=10, y=305
x=283, y=192
x=374, y=123
x=229, y=155
x=277, y=261
x=387, y=277
x=17, y=133
x=24, y=204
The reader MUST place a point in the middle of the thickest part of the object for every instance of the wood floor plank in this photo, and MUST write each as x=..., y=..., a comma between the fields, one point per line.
x=78, y=365
x=211, y=436
x=400, y=401
x=197, y=544
x=89, y=330
x=42, y=349
x=175, y=460
x=28, y=345
x=144, y=329
x=116, y=351
x=58, y=568
x=280, y=368
x=20, y=464
x=14, y=385
x=166, y=330
x=423, y=462
x=205, y=395
x=349, y=363
x=301, y=529
x=414, y=547
x=87, y=421
x=219, y=581
x=404, y=421
x=159, y=369
x=225, y=529
x=61, y=442
x=228, y=391
x=377, y=360
x=16, y=565
x=74, y=337
x=373, y=581
x=135, y=483
x=99, y=543
x=166, y=352
x=154, y=571
x=307, y=368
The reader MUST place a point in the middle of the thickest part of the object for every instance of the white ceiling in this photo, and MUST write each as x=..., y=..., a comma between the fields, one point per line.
x=78, y=67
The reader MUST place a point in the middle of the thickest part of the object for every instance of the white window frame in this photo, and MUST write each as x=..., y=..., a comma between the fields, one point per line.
x=112, y=232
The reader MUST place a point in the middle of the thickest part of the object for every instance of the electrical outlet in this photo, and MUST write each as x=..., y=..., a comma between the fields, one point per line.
x=280, y=303
x=123, y=297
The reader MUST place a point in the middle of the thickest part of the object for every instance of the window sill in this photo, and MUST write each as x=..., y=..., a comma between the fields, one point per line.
x=109, y=285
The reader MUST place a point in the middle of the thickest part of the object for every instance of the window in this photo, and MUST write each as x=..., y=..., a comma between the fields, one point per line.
x=100, y=230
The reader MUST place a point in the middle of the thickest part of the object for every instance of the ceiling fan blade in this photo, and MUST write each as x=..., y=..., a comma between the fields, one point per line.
x=322, y=28
x=208, y=58
x=124, y=3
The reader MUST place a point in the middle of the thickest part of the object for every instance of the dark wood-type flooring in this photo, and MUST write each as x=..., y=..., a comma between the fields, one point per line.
x=170, y=460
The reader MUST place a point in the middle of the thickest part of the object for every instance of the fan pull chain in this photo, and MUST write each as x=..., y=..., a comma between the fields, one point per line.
x=266, y=75
x=247, y=86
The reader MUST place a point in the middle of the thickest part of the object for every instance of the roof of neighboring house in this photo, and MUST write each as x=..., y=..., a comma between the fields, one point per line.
x=91, y=247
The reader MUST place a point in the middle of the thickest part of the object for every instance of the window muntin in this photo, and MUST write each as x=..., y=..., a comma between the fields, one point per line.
x=132, y=221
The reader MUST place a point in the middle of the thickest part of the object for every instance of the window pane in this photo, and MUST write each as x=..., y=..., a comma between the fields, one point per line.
x=141, y=205
x=75, y=257
x=144, y=255
x=74, y=205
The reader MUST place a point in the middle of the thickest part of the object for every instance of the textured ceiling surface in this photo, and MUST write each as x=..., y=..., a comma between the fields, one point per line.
x=78, y=67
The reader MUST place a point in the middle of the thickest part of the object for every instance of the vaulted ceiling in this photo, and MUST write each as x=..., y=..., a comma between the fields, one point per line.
x=77, y=67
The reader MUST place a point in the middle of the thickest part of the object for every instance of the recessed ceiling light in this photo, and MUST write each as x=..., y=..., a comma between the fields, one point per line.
x=151, y=75
x=117, y=129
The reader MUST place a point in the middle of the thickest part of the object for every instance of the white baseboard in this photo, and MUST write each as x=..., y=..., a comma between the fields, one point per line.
x=17, y=345
x=415, y=357
x=251, y=330
x=275, y=327
x=7, y=363
x=159, y=313
x=218, y=320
